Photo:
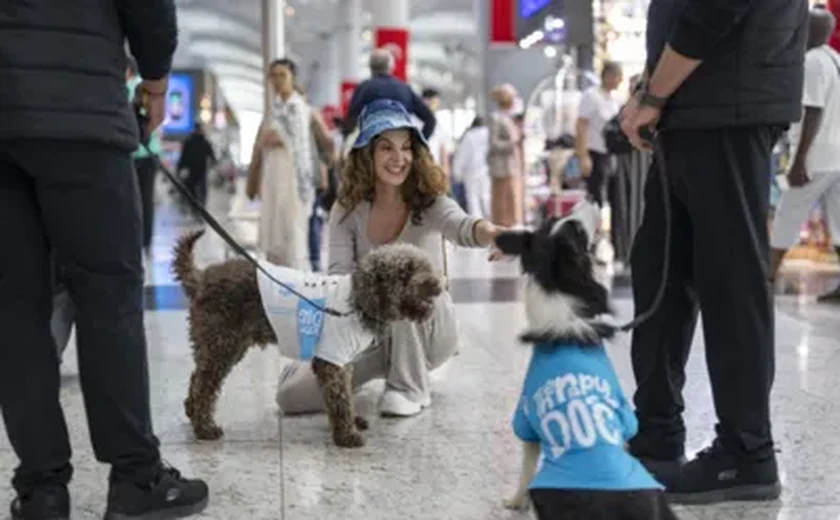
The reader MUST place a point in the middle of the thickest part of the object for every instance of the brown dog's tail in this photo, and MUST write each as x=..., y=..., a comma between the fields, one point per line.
x=183, y=266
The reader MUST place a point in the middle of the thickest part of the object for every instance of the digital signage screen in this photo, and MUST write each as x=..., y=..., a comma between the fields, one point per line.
x=568, y=22
x=180, y=111
x=528, y=8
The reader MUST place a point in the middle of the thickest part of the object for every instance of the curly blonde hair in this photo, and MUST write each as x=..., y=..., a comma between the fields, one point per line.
x=424, y=184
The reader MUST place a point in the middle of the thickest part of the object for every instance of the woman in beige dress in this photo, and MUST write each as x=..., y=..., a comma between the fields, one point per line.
x=283, y=170
x=504, y=158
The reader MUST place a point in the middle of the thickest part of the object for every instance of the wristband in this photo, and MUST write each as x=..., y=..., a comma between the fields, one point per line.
x=648, y=99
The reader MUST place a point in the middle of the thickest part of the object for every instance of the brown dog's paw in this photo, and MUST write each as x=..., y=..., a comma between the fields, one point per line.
x=209, y=433
x=361, y=423
x=352, y=439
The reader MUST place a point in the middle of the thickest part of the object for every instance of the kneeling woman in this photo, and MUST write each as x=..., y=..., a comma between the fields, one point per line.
x=392, y=191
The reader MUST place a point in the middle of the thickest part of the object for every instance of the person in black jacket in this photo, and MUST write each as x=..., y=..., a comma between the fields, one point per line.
x=725, y=80
x=196, y=155
x=383, y=85
x=67, y=184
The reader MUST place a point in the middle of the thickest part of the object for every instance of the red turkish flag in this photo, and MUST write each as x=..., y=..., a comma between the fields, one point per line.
x=395, y=39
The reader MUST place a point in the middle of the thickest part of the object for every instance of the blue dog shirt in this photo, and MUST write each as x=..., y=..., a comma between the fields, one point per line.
x=573, y=406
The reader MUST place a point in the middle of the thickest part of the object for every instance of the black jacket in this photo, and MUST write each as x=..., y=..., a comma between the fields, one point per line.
x=63, y=62
x=753, y=54
x=195, y=154
x=388, y=87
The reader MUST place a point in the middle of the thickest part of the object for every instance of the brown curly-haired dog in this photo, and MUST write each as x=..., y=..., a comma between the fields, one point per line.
x=227, y=316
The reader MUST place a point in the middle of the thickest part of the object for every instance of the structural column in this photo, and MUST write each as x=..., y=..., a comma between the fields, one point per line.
x=391, y=19
x=350, y=49
x=324, y=89
x=273, y=36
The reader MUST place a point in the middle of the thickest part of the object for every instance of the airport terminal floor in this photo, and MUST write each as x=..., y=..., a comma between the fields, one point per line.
x=458, y=459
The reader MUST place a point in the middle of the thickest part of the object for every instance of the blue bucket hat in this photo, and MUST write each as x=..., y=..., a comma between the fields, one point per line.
x=382, y=115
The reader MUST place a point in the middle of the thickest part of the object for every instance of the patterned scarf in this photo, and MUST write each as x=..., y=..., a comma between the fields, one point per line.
x=293, y=116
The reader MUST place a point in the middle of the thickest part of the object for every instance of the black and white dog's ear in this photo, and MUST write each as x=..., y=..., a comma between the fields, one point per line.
x=514, y=243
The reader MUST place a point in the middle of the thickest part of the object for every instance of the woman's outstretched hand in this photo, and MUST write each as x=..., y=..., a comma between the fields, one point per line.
x=485, y=236
x=495, y=253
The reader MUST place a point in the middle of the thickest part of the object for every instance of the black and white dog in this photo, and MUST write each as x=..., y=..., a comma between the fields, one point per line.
x=573, y=416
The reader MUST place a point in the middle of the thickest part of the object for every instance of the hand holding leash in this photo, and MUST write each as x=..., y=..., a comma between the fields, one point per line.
x=637, y=118
x=150, y=104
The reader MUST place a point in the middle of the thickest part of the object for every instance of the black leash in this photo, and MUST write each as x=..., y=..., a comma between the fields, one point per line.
x=659, y=157
x=218, y=228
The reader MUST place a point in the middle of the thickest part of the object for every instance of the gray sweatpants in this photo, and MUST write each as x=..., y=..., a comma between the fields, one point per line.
x=404, y=359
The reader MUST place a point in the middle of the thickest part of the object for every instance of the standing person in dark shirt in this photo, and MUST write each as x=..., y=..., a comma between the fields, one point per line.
x=383, y=85
x=67, y=184
x=196, y=155
x=725, y=80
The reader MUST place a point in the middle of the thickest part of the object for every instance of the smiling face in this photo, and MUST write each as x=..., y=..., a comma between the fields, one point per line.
x=392, y=157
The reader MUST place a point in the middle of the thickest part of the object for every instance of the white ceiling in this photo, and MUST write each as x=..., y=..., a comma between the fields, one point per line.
x=224, y=36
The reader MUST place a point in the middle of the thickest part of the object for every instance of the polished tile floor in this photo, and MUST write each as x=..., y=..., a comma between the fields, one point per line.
x=458, y=459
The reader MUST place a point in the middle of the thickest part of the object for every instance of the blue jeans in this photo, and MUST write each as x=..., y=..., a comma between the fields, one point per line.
x=459, y=193
x=316, y=223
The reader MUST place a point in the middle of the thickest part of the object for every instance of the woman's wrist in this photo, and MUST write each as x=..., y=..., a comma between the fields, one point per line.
x=484, y=232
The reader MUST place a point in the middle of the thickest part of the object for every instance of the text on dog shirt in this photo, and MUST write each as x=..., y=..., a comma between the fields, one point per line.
x=303, y=329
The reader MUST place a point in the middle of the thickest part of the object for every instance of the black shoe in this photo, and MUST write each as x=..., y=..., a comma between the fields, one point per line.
x=830, y=297
x=168, y=495
x=717, y=475
x=49, y=503
x=663, y=469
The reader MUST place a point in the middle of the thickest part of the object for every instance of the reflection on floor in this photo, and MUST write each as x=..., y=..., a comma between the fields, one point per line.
x=458, y=459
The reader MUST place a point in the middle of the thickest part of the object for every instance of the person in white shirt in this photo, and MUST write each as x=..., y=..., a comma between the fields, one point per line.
x=469, y=167
x=598, y=105
x=438, y=144
x=814, y=175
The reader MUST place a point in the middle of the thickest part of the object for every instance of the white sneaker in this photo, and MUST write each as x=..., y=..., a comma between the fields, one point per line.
x=439, y=374
x=395, y=404
x=288, y=371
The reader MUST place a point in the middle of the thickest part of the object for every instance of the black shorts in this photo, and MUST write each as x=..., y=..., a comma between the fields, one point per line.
x=565, y=504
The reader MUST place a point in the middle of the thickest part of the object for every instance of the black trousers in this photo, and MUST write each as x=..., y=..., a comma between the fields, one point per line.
x=563, y=504
x=82, y=200
x=146, y=173
x=718, y=185
x=196, y=182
